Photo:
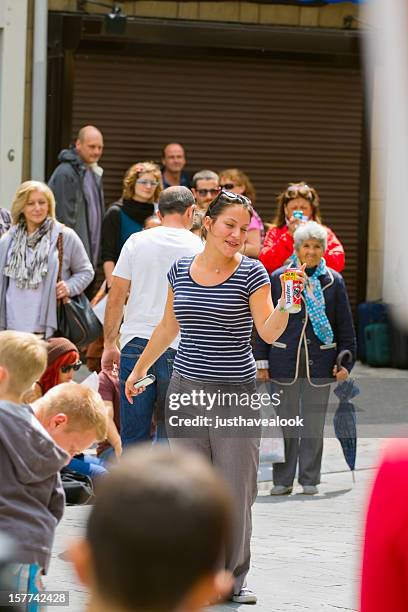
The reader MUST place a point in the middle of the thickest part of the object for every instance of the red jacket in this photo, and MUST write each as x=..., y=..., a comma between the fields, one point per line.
x=278, y=247
x=385, y=561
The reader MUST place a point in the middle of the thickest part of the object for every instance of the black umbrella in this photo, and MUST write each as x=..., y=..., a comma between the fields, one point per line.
x=345, y=418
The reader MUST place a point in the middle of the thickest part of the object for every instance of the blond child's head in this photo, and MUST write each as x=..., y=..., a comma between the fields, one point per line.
x=74, y=416
x=23, y=359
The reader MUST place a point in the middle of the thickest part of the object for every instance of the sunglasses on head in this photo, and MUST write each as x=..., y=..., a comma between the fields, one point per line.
x=302, y=190
x=227, y=197
x=73, y=366
x=203, y=192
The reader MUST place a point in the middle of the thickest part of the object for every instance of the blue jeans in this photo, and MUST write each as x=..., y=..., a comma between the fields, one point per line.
x=136, y=418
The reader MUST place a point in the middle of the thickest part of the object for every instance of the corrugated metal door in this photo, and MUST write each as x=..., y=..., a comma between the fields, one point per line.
x=276, y=120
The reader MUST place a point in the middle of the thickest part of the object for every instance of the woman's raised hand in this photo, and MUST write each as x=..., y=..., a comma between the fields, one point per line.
x=301, y=277
x=293, y=224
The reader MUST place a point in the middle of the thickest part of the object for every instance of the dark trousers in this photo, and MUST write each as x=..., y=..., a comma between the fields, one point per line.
x=302, y=444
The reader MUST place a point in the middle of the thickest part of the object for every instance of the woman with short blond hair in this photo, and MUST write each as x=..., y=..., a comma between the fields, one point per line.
x=29, y=263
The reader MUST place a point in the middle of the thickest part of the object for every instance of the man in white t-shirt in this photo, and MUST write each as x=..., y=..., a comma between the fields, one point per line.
x=141, y=271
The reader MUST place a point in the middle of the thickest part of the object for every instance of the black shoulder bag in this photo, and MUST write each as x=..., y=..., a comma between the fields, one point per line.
x=76, y=319
x=78, y=488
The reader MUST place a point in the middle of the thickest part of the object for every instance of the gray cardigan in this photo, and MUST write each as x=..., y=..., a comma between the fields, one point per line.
x=77, y=272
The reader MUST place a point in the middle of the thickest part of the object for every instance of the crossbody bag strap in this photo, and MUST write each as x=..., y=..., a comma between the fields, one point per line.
x=60, y=247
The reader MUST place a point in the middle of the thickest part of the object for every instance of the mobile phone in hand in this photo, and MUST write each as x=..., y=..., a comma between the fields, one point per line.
x=144, y=382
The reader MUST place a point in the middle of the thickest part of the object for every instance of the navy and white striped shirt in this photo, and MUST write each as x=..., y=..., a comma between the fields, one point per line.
x=216, y=322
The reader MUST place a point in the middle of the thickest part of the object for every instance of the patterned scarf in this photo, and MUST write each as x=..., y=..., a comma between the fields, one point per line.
x=29, y=276
x=316, y=306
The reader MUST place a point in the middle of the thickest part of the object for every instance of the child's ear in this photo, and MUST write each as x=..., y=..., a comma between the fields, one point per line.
x=209, y=590
x=4, y=375
x=79, y=553
x=56, y=421
x=4, y=379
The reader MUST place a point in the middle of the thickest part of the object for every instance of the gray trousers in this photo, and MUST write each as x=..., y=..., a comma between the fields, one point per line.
x=303, y=444
x=234, y=453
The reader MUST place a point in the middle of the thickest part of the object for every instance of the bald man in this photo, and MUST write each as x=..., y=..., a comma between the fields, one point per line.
x=77, y=186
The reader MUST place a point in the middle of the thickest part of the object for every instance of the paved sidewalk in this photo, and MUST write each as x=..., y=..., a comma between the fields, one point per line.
x=305, y=550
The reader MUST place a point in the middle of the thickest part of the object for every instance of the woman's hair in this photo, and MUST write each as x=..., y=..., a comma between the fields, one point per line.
x=22, y=195
x=240, y=178
x=50, y=378
x=293, y=191
x=221, y=203
x=310, y=231
x=135, y=172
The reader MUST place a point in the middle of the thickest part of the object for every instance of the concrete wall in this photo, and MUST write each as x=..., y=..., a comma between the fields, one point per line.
x=27, y=100
x=242, y=12
x=13, y=29
x=376, y=230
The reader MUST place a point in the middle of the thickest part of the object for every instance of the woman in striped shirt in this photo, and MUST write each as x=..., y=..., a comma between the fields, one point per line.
x=213, y=299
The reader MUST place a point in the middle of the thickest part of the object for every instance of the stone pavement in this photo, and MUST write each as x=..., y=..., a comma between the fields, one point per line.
x=305, y=550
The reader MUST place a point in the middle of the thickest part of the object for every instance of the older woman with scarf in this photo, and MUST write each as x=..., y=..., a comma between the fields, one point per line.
x=303, y=361
x=29, y=286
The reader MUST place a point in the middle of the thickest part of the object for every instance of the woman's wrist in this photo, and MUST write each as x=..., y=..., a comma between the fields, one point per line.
x=281, y=304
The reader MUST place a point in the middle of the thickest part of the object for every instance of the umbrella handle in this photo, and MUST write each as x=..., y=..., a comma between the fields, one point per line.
x=346, y=356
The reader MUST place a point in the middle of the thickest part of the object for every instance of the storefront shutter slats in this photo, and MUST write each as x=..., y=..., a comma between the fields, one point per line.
x=279, y=121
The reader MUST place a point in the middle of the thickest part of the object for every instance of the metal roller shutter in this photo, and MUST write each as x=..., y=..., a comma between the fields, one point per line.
x=279, y=121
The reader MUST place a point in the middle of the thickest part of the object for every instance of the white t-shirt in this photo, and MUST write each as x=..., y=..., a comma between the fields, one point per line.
x=145, y=259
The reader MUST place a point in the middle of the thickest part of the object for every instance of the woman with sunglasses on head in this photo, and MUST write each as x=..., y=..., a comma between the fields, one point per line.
x=142, y=186
x=213, y=300
x=236, y=181
x=297, y=204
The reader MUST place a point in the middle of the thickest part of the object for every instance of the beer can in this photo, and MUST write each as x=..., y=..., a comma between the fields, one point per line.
x=293, y=290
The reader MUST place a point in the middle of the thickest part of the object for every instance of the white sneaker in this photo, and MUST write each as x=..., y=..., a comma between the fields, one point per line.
x=245, y=596
x=281, y=490
x=310, y=489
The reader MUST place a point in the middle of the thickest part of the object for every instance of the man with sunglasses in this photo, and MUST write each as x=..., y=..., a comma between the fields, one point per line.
x=205, y=187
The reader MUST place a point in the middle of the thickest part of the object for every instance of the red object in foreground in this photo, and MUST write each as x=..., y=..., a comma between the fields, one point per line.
x=384, y=585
